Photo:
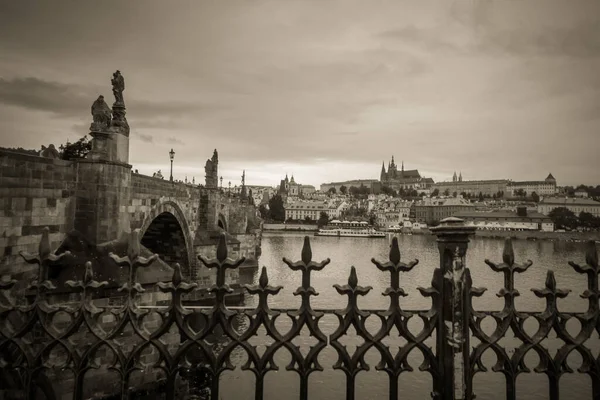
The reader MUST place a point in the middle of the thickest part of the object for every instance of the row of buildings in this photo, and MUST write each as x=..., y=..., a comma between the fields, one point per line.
x=398, y=178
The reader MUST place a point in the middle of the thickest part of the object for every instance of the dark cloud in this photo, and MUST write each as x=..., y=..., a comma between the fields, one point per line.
x=145, y=137
x=581, y=41
x=461, y=84
x=426, y=38
x=71, y=101
x=37, y=94
x=174, y=140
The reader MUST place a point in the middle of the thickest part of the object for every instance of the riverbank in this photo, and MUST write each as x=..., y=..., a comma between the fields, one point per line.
x=290, y=227
x=530, y=235
x=540, y=235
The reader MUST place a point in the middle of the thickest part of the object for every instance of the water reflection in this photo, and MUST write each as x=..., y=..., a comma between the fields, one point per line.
x=347, y=252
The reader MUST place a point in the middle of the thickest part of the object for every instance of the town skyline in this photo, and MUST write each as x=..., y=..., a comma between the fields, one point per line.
x=497, y=90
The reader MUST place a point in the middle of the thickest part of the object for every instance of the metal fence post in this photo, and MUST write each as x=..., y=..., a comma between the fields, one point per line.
x=453, y=321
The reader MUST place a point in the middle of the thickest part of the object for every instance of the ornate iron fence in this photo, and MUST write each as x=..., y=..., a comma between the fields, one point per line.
x=451, y=321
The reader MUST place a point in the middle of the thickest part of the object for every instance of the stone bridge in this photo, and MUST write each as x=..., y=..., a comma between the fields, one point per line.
x=95, y=201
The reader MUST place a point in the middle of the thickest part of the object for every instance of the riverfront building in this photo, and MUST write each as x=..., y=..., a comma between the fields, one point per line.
x=301, y=209
x=473, y=188
x=576, y=205
x=436, y=209
x=547, y=187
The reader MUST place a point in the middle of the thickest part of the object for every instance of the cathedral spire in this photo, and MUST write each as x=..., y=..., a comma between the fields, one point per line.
x=243, y=193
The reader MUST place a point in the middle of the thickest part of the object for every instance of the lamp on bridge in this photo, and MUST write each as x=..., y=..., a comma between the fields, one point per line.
x=171, y=156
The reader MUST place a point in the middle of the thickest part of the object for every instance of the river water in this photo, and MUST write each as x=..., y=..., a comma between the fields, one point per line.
x=347, y=252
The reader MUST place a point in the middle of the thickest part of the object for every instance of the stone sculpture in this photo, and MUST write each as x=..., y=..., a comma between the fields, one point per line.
x=49, y=152
x=101, y=113
x=118, y=84
x=211, y=170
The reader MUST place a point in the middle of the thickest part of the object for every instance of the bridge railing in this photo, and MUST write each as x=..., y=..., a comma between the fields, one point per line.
x=35, y=348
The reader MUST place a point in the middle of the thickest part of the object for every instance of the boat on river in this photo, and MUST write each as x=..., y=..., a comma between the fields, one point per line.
x=349, y=229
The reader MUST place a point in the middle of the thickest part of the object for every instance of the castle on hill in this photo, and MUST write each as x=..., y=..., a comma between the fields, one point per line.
x=403, y=179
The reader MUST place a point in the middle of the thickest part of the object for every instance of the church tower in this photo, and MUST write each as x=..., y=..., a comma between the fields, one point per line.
x=460, y=177
x=454, y=178
x=382, y=176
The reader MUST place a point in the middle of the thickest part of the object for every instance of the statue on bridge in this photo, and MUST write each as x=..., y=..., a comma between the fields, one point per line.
x=118, y=84
x=49, y=152
x=101, y=113
x=211, y=170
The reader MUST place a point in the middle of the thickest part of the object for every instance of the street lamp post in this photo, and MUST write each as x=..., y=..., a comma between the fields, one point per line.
x=171, y=156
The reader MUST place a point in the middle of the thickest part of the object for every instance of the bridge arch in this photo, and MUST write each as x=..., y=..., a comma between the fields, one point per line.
x=165, y=231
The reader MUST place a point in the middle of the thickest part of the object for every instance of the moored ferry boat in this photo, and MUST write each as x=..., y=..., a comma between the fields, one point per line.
x=349, y=229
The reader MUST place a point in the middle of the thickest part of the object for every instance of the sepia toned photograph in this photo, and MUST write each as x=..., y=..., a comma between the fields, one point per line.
x=299, y=199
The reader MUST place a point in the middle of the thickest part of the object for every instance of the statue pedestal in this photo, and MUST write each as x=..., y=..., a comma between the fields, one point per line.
x=100, y=146
x=119, y=122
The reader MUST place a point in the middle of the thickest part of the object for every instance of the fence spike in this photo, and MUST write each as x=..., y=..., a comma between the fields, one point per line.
x=177, y=278
x=222, y=248
x=395, y=251
x=591, y=256
x=352, y=279
x=44, y=247
x=89, y=273
x=508, y=254
x=263, y=281
x=306, y=251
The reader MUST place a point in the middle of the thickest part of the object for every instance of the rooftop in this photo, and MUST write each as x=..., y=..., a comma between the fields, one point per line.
x=575, y=201
x=507, y=214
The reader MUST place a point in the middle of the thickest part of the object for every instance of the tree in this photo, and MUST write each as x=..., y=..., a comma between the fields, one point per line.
x=343, y=190
x=323, y=219
x=332, y=190
x=308, y=219
x=79, y=149
x=276, y=209
x=454, y=194
x=535, y=197
x=389, y=191
x=563, y=218
x=446, y=192
x=588, y=220
x=480, y=196
x=436, y=192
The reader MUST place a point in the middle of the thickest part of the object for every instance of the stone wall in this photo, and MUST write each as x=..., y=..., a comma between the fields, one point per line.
x=35, y=192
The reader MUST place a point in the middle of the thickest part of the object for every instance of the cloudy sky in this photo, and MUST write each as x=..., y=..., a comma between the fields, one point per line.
x=325, y=90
